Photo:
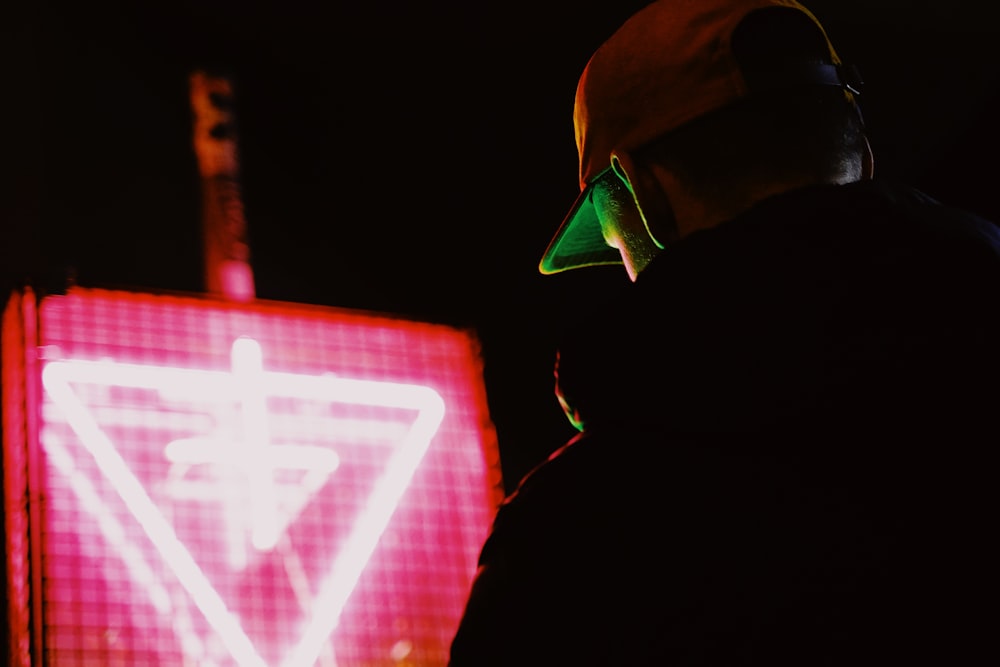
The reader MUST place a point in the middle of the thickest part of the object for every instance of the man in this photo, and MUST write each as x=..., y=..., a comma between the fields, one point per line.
x=787, y=424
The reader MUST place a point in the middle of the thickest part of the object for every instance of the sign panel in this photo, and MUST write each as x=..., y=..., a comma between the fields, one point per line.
x=255, y=485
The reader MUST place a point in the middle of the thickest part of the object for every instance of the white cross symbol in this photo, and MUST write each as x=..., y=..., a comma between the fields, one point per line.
x=254, y=458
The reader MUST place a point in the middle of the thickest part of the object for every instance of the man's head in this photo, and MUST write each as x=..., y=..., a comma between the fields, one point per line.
x=692, y=111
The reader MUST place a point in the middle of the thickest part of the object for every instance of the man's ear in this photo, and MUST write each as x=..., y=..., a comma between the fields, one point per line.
x=867, y=162
x=650, y=198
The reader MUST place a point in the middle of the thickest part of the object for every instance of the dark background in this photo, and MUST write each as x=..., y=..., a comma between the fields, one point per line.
x=401, y=157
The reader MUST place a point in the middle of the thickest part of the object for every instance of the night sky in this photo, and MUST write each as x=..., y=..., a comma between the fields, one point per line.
x=401, y=157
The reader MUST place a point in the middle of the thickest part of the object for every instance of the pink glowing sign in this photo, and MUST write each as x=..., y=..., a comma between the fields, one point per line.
x=256, y=485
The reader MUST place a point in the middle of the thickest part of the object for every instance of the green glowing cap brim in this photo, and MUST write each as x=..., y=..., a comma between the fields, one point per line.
x=578, y=242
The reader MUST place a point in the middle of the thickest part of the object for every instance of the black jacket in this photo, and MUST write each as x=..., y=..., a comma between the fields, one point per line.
x=787, y=458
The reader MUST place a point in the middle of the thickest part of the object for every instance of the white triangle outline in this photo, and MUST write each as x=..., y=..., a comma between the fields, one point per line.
x=346, y=568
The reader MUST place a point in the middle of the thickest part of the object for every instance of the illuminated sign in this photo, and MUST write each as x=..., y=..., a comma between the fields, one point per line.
x=266, y=485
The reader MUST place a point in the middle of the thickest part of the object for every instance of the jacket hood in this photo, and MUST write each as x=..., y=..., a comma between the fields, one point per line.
x=813, y=305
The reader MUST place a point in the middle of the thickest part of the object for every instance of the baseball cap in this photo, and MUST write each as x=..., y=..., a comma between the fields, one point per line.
x=668, y=64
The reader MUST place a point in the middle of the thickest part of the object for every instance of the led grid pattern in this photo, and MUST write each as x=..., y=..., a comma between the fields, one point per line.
x=259, y=485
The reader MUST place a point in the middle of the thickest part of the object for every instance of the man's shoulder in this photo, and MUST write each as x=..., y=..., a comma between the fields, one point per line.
x=592, y=470
x=568, y=467
x=811, y=229
x=901, y=207
x=614, y=466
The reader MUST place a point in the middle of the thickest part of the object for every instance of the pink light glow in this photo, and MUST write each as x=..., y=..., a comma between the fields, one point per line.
x=319, y=499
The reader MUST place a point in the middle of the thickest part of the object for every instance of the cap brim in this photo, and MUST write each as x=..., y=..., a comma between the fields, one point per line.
x=579, y=241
